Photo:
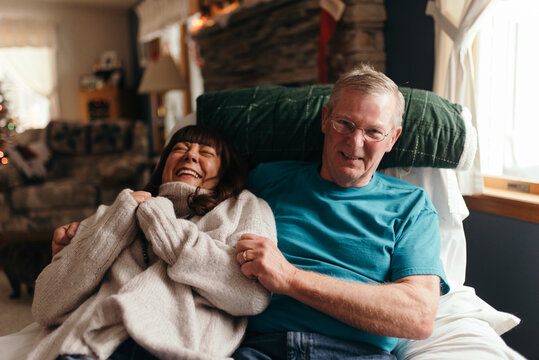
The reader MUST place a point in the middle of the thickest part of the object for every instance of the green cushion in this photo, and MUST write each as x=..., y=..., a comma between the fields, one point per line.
x=270, y=123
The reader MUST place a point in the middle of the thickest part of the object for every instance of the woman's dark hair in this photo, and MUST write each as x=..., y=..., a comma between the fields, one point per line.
x=232, y=173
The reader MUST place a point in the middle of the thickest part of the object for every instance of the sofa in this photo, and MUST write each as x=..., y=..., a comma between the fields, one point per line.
x=63, y=172
x=270, y=123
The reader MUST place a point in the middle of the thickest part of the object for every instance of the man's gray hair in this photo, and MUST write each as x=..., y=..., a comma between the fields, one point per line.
x=365, y=79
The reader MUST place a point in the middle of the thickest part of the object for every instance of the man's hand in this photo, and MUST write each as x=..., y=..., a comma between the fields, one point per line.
x=260, y=259
x=62, y=236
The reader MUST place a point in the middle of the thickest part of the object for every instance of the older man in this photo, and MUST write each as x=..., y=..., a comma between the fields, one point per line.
x=358, y=259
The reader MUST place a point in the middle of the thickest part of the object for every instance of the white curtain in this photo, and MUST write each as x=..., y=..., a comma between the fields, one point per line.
x=456, y=25
x=28, y=53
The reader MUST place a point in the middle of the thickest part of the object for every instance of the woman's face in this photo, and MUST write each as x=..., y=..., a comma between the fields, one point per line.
x=192, y=163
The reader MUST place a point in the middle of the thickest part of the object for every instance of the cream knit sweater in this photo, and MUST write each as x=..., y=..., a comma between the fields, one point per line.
x=191, y=302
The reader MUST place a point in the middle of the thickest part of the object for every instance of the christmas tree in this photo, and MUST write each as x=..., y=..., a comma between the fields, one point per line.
x=7, y=128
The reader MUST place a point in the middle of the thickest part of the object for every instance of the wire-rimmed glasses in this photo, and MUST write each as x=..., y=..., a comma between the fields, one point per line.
x=347, y=127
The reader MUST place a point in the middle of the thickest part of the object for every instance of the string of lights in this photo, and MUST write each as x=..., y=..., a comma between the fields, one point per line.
x=8, y=127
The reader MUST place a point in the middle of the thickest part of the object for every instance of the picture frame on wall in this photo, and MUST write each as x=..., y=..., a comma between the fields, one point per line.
x=109, y=60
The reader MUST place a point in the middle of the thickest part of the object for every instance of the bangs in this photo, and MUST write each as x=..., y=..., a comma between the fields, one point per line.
x=200, y=135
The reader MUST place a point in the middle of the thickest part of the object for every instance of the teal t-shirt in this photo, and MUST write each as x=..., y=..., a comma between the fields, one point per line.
x=377, y=233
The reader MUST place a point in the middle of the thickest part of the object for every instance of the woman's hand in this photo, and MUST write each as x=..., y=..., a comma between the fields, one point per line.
x=141, y=196
x=62, y=236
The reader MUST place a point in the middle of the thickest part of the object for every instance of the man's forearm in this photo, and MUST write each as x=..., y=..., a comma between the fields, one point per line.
x=405, y=309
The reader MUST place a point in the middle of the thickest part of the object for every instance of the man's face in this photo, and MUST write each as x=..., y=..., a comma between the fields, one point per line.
x=349, y=160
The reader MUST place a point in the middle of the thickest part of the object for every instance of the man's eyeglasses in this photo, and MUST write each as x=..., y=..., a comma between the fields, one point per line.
x=346, y=127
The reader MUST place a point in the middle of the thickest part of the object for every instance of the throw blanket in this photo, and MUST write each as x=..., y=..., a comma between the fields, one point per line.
x=189, y=303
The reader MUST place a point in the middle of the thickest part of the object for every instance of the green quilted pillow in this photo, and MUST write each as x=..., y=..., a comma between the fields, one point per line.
x=270, y=123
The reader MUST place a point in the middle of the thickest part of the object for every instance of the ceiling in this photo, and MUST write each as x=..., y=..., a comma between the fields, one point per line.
x=113, y=4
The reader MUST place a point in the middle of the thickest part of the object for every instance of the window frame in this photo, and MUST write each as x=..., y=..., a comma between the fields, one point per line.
x=492, y=169
x=500, y=198
x=505, y=195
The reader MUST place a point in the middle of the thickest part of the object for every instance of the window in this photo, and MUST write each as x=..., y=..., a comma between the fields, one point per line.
x=170, y=43
x=30, y=109
x=507, y=83
x=174, y=40
x=28, y=70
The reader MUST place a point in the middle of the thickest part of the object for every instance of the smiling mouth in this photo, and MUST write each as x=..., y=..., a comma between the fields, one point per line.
x=351, y=157
x=188, y=172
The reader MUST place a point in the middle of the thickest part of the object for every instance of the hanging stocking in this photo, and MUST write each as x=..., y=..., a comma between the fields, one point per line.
x=330, y=12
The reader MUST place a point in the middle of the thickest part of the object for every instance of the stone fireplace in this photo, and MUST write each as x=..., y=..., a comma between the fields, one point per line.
x=278, y=42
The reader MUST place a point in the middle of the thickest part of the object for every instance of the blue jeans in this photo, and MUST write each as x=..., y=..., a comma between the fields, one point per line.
x=305, y=346
x=128, y=350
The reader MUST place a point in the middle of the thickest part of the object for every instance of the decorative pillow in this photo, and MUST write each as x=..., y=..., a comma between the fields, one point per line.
x=109, y=136
x=67, y=137
x=95, y=137
x=269, y=123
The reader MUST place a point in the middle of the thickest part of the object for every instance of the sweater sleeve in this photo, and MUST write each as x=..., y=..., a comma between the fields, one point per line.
x=209, y=265
x=76, y=272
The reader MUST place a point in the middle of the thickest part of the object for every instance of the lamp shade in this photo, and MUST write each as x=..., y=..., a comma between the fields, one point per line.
x=161, y=75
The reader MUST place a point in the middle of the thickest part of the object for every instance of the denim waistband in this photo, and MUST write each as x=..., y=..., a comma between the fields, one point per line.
x=312, y=346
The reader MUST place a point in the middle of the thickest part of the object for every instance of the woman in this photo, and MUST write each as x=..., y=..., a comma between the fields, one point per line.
x=156, y=273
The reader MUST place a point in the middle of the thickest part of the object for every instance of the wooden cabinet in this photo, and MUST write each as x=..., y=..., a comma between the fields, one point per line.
x=100, y=104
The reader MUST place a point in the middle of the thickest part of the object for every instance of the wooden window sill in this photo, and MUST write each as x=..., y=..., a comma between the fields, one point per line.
x=511, y=204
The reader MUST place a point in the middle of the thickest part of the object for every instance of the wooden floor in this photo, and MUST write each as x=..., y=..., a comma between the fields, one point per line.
x=14, y=314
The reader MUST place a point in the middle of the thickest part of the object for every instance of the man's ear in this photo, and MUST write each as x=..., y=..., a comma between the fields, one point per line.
x=394, y=139
x=325, y=115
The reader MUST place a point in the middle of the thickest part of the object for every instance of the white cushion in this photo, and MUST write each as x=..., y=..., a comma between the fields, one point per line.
x=466, y=327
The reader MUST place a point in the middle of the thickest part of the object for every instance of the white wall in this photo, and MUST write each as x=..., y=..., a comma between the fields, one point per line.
x=83, y=33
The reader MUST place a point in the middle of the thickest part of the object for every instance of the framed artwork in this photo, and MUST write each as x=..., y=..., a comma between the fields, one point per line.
x=109, y=60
